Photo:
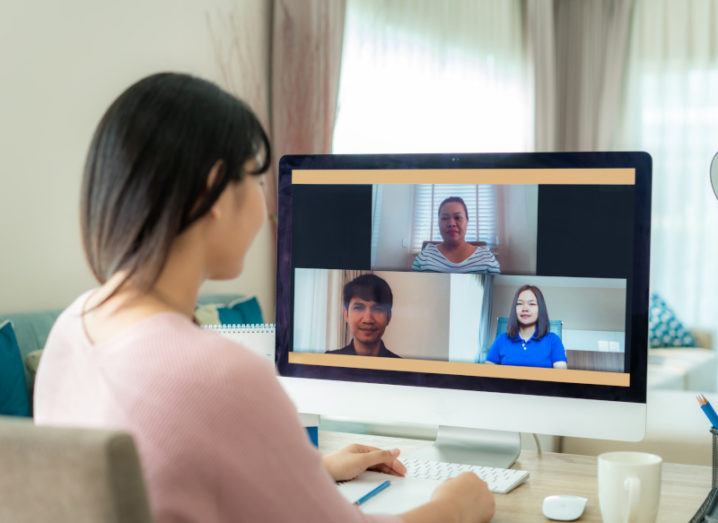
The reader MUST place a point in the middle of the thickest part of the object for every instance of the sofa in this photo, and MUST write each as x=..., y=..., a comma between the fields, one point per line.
x=676, y=429
x=693, y=368
x=22, y=343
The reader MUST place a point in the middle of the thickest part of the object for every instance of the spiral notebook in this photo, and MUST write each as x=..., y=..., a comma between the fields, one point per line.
x=257, y=337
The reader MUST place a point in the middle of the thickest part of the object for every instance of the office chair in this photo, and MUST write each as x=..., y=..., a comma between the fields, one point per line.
x=68, y=475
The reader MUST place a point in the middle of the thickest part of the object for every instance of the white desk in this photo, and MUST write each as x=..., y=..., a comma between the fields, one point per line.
x=684, y=486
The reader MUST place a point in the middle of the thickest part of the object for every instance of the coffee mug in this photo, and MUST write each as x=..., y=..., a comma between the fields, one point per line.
x=629, y=486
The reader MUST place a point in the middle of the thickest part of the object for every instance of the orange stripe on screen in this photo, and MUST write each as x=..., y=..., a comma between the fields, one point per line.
x=616, y=379
x=573, y=176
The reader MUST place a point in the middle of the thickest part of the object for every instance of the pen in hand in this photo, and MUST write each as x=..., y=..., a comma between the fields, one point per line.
x=373, y=492
x=708, y=410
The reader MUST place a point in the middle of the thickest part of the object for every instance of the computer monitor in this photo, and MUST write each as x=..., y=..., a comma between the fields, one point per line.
x=364, y=235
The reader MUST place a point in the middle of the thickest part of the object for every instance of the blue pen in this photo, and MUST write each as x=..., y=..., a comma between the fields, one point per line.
x=373, y=492
x=708, y=410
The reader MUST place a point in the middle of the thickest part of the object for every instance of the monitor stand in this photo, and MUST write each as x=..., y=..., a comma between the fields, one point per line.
x=492, y=448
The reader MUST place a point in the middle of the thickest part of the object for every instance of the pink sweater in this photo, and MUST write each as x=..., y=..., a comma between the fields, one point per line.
x=218, y=438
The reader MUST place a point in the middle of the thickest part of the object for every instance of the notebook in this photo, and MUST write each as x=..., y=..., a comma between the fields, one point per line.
x=256, y=337
x=402, y=495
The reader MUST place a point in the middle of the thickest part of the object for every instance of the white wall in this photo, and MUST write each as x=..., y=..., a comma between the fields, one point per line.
x=394, y=235
x=518, y=205
x=419, y=326
x=62, y=65
x=467, y=297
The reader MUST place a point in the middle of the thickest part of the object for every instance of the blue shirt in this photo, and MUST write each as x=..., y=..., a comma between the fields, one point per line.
x=536, y=352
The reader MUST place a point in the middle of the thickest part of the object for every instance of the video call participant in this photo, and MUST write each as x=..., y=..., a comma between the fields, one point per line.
x=454, y=253
x=367, y=311
x=527, y=341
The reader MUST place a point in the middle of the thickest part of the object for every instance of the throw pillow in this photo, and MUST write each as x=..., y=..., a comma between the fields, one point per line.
x=13, y=388
x=242, y=311
x=239, y=311
x=664, y=327
x=32, y=362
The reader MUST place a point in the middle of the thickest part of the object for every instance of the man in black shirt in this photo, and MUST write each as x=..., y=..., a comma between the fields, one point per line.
x=367, y=311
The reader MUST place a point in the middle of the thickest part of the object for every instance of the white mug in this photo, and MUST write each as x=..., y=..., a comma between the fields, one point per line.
x=629, y=486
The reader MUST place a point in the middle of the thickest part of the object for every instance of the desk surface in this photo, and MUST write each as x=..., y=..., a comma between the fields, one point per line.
x=683, y=489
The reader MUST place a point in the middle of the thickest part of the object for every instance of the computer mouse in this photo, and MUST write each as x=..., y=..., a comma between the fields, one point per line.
x=564, y=508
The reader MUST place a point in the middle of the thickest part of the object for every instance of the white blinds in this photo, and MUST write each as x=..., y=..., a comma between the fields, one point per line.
x=480, y=202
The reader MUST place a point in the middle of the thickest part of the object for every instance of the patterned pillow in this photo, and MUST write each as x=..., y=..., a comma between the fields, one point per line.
x=238, y=311
x=664, y=328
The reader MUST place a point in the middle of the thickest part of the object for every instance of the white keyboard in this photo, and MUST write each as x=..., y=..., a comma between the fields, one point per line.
x=500, y=481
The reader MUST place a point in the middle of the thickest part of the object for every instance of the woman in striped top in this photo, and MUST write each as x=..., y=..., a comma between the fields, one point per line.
x=454, y=253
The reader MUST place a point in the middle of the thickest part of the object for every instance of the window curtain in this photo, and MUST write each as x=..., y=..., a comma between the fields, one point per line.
x=306, y=54
x=487, y=282
x=427, y=76
x=671, y=111
x=318, y=320
x=578, y=53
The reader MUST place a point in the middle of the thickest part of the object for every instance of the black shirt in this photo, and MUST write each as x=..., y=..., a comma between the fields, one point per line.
x=351, y=351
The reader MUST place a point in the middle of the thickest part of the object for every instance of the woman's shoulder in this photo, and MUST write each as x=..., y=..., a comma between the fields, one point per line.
x=169, y=346
x=430, y=249
x=483, y=251
x=552, y=337
x=429, y=258
x=214, y=348
x=502, y=338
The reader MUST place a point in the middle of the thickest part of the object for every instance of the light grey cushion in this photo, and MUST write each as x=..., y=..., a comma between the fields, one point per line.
x=68, y=475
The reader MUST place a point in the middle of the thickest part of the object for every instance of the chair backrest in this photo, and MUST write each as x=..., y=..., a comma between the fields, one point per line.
x=427, y=242
x=68, y=475
x=555, y=326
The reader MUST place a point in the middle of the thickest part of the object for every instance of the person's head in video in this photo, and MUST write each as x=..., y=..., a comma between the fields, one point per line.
x=367, y=310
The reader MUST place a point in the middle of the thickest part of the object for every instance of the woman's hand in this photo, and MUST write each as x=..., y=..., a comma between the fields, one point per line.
x=351, y=461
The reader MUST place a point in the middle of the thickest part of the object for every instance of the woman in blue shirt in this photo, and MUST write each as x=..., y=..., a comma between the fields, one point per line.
x=527, y=341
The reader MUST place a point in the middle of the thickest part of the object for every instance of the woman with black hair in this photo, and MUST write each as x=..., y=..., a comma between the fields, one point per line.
x=172, y=196
x=528, y=341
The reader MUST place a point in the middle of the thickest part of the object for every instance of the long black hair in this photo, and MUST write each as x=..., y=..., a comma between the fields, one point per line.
x=146, y=174
x=542, y=324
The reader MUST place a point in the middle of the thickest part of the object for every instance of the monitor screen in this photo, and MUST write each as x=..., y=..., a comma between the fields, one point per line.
x=520, y=273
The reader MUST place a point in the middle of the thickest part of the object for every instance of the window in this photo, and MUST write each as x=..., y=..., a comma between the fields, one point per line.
x=427, y=76
x=671, y=111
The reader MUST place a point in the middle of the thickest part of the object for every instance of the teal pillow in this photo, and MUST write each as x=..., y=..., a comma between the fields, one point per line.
x=13, y=388
x=243, y=310
x=664, y=327
x=213, y=310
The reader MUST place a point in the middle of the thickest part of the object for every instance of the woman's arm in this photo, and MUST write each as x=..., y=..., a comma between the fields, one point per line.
x=249, y=466
x=351, y=461
x=558, y=353
x=494, y=355
x=462, y=499
x=418, y=264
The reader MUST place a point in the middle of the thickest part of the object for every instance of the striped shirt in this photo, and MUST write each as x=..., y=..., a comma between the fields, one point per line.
x=430, y=259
